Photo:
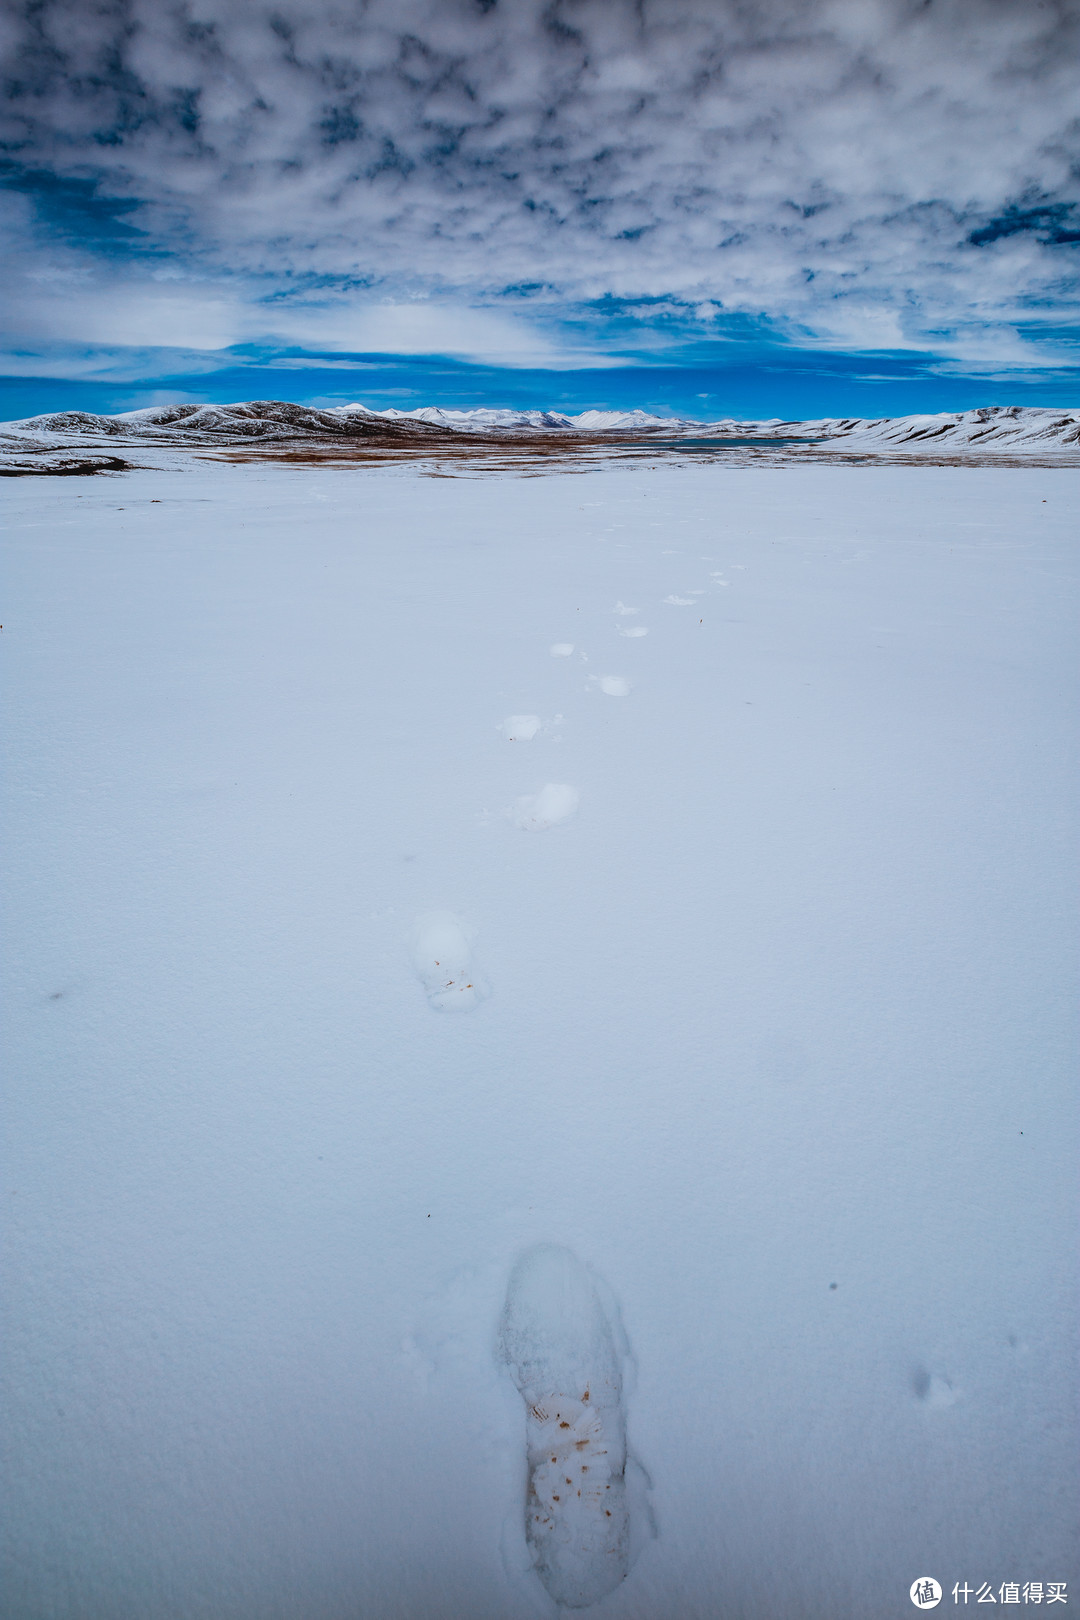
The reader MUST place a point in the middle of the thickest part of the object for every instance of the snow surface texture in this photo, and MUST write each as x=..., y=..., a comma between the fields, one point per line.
x=781, y=1037
x=565, y=1354
x=64, y=440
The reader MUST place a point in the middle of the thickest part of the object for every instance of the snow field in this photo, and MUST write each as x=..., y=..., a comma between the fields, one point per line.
x=780, y=1042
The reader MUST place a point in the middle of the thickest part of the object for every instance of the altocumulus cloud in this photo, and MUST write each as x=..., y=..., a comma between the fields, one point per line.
x=875, y=173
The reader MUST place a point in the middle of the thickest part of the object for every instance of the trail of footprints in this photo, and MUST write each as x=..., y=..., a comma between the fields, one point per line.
x=586, y=1506
x=441, y=943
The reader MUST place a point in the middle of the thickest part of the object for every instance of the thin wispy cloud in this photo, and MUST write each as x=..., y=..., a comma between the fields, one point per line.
x=545, y=178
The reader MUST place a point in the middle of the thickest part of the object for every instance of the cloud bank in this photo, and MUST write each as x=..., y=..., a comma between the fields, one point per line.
x=874, y=173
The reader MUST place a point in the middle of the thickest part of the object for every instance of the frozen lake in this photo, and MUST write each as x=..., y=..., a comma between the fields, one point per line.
x=741, y=803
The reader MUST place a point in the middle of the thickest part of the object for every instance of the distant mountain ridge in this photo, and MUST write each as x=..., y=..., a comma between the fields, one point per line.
x=279, y=418
x=59, y=441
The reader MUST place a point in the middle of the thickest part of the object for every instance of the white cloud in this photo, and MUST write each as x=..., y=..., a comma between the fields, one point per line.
x=417, y=327
x=128, y=314
x=821, y=161
x=79, y=303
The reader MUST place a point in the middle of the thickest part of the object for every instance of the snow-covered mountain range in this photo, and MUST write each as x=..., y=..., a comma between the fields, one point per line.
x=59, y=442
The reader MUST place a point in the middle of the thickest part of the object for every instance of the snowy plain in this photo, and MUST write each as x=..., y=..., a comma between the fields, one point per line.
x=772, y=913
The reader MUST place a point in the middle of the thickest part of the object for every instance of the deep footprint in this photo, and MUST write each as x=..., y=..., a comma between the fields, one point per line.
x=535, y=812
x=613, y=685
x=563, y=1356
x=443, y=960
x=520, y=727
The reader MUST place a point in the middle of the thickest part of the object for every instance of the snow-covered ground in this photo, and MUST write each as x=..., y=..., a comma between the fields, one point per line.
x=735, y=806
x=1002, y=429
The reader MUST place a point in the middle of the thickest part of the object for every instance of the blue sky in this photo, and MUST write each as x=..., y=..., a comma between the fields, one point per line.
x=710, y=207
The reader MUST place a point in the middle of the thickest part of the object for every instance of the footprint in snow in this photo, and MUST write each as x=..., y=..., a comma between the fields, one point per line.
x=563, y=649
x=634, y=630
x=933, y=1389
x=586, y=1509
x=520, y=727
x=612, y=685
x=442, y=958
x=622, y=609
x=679, y=601
x=555, y=802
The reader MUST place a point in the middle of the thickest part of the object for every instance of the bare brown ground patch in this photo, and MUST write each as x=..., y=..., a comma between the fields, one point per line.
x=536, y=455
